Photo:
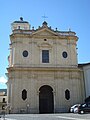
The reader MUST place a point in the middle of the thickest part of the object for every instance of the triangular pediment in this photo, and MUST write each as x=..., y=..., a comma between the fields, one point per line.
x=45, y=32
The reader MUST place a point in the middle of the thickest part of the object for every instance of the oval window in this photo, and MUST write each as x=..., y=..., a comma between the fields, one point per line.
x=25, y=53
x=24, y=94
x=67, y=94
x=64, y=54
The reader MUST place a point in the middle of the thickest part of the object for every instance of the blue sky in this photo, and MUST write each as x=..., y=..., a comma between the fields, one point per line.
x=63, y=14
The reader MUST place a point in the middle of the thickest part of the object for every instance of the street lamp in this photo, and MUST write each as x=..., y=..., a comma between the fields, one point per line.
x=27, y=108
x=3, y=111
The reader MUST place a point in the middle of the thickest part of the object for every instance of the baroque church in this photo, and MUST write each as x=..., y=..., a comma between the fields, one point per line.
x=43, y=73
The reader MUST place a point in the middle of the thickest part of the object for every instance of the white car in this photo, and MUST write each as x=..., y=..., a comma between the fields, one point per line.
x=74, y=108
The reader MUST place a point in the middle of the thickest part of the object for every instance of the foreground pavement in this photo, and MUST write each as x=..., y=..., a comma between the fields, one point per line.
x=64, y=116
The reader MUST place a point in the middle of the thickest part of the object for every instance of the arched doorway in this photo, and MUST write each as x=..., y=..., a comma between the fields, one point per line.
x=46, y=102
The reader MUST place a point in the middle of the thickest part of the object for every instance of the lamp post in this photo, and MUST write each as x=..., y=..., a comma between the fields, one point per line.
x=27, y=108
x=3, y=111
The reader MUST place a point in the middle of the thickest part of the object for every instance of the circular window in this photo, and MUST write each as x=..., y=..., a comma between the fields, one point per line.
x=25, y=53
x=45, y=39
x=64, y=54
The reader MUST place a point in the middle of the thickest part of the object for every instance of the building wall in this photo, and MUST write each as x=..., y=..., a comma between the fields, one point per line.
x=3, y=100
x=35, y=46
x=59, y=81
x=86, y=69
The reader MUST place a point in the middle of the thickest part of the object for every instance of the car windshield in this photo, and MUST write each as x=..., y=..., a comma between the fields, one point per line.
x=74, y=106
x=83, y=105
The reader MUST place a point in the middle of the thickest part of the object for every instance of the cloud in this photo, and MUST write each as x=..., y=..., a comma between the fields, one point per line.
x=3, y=80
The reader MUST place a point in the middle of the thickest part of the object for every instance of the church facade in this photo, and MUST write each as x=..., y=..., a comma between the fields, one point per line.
x=43, y=73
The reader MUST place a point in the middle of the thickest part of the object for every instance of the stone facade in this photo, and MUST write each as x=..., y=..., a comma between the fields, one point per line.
x=43, y=70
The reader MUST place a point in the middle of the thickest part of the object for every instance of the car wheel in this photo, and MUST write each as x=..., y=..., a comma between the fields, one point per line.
x=82, y=112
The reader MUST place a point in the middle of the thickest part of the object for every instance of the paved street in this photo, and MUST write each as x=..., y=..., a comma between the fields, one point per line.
x=65, y=116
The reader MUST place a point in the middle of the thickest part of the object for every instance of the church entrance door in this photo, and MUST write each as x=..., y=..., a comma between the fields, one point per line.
x=46, y=102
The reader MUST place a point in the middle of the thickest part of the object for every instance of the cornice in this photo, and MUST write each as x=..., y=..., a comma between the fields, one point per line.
x=61, y=37
x=49, y=69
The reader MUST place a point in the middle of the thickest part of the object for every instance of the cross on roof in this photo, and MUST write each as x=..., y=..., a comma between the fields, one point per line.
x=44, y=17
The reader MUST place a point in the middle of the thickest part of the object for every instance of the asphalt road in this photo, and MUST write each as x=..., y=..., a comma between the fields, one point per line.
x=64, y=116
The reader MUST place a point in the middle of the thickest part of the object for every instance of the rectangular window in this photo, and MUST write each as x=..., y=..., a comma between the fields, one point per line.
x=45, y=56
x=3, y=100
